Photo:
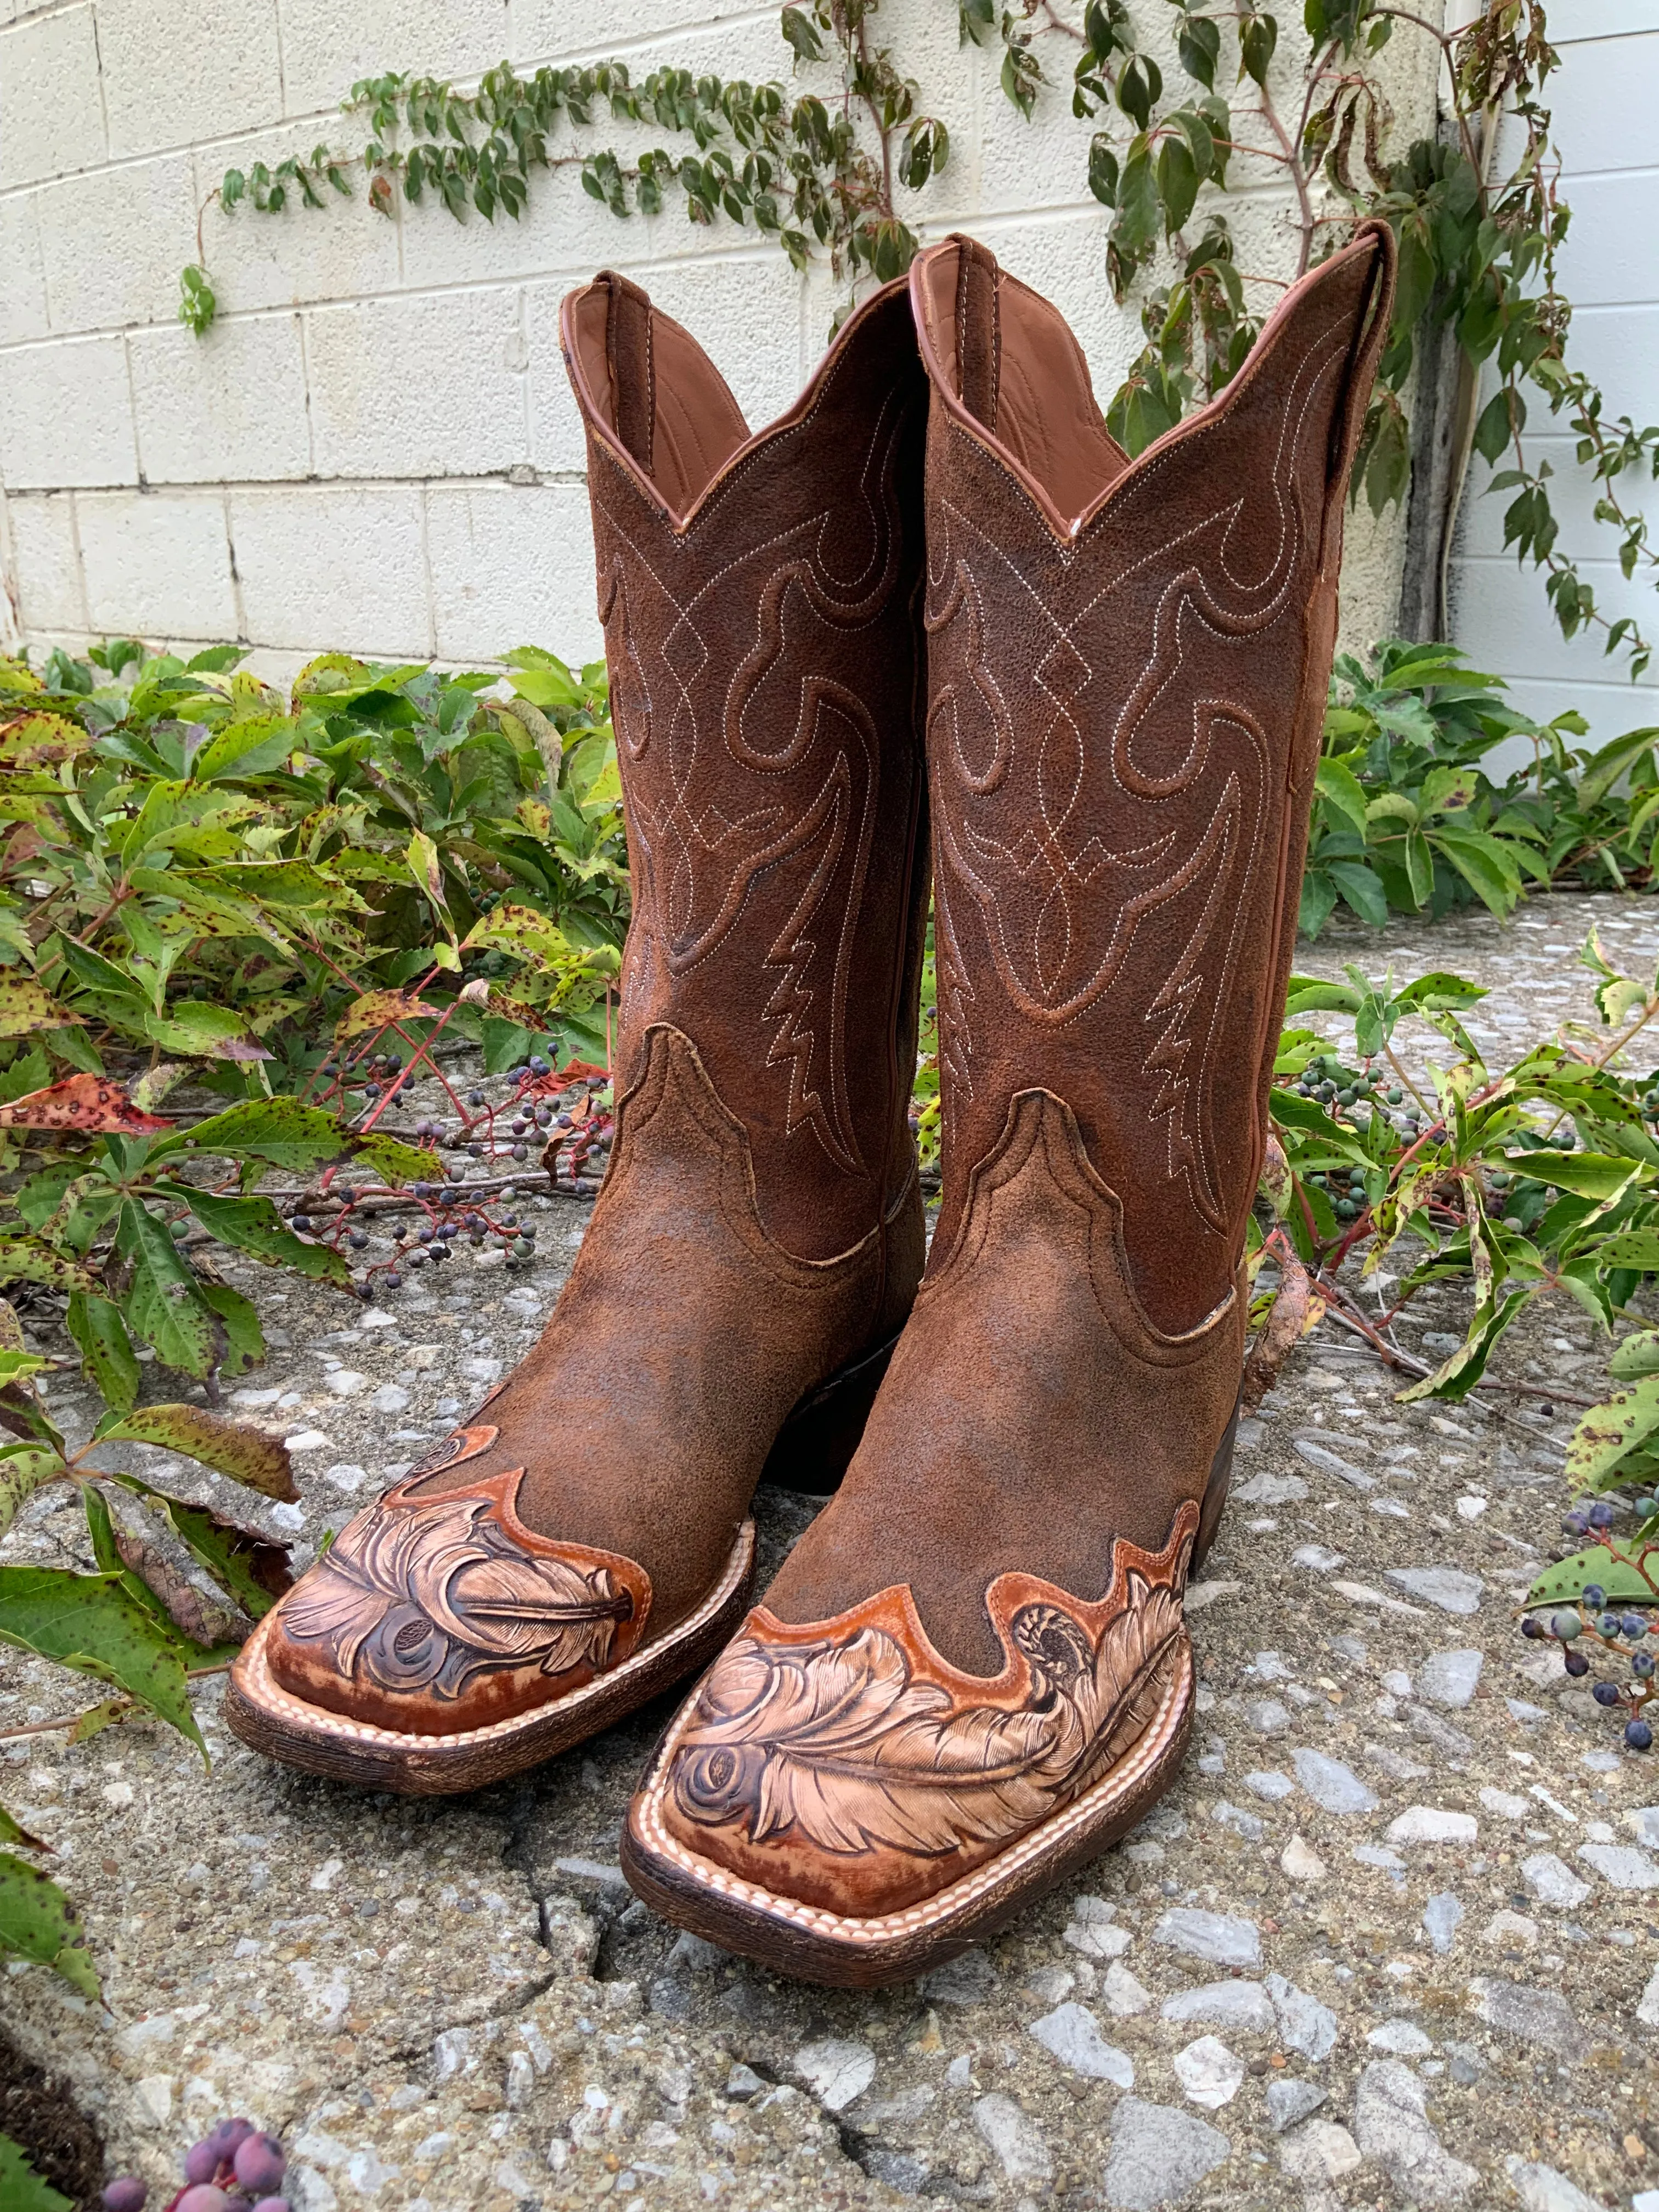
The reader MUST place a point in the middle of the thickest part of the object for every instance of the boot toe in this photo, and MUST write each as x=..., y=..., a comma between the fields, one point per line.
x=436, y=1615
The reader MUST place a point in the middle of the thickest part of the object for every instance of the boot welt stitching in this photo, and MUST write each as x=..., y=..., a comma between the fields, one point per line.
x=254, y=1680
x=871, y=1934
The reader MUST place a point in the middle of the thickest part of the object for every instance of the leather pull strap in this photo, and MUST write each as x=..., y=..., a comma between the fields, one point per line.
x=628, y=357
x=979, y=332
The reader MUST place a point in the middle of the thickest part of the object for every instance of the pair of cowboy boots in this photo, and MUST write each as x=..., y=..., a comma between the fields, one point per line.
x=935, y=589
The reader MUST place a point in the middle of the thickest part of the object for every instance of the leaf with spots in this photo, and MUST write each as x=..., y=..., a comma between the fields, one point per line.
x=246, y=1455
x=91, y=1624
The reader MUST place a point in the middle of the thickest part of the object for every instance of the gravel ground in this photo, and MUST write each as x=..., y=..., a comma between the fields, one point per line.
x=1391, y=1941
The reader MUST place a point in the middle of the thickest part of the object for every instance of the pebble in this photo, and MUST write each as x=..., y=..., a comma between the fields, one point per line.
x=1400, y=2037
x=1319, y=1558
x=1532, y=2016
x=1219, y=1937
x=1379, y=1855
x=1267, y=1716
x=1448, y=1588
x=390, y=1398
x=1441, y=1917
x=1543, y=2189
x=1092, y=1929
x=1271, y=1785
x=1508, y=1928
x=1123, y=1995
x=1331, y=1462
x=970, y=1979
x=1250, y=1826
x=1503, y=1806
x=1243, y=2006
x=1621, y=1864
x=1290, y=2100
x=1015, y=2138
x=1331, y=1785
x=1072, y=2034
x=1431, y=1823
x=344, y=1383
x=1301, y=1861
x=1265, y=1489
x=1551, y=1881
x=1321, y=2152
x=1211, y=2074
x=835, y=2070
x=1305, y=2026
x=1644, y=1820
x=1160, y=2156
x=1449, y=1678
x=1647, y=2011
x=1391, y=2126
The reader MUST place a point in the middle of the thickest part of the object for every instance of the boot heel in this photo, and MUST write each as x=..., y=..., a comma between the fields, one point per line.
x=1215, y=1495
x=816, y=1443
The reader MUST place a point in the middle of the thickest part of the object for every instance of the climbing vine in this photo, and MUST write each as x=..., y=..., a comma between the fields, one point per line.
x=825, y=161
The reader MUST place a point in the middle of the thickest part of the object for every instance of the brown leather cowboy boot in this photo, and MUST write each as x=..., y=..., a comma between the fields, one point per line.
x=585, y=1541
x=972, y=1672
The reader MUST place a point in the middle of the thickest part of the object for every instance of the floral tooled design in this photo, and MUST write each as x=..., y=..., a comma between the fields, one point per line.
x=425, y=1596
x=862, y=1741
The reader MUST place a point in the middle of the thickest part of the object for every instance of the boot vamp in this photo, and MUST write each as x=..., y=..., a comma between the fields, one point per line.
x=595, y=1500
x=988, y=1615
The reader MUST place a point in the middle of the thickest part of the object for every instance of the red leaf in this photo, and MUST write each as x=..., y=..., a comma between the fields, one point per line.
x=81, y=1101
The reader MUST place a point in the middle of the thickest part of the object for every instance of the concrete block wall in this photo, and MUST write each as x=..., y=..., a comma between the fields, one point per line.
x=375, y=449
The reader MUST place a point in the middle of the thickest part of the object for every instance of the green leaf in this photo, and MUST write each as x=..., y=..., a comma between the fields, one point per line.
x=23, y=1468
x=1587, y=1174
x=246, y=1454
x=249, y=748
x=38, y=1922
x=254, y=1224
x=106, y=1555
x=162, y=1304
x=1630, y=1248
x=284, y=1131
x=205, y=1032
x=245, y=1343
x=395, y=1161
x=87, y=1622
x=1456, y=1377
x=1338, y=783
x=27, y=1259
x=101, y=1336
x=248, y=1566
x=1637, y=1355
x=1361, y=889
x=26, y=1007
x=1608, y=1431
x=1568, y=1579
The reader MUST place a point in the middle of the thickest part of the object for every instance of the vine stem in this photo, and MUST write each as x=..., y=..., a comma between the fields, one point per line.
x=128, y=1705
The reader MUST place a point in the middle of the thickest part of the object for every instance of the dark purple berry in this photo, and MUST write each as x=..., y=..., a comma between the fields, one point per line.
x=1601, y=1515
x=392, y=1279
x=1605, y=1693
x=1576, y=1525
x=126, y=2194
x=260, y=2164
x=1637, y=1734
x=202, y=2159
x=1533, y=1626
x=1642, y=1663
x=204, y=2197
x=1594, y=1596
x=1633, y=1625
x=1575, y=1663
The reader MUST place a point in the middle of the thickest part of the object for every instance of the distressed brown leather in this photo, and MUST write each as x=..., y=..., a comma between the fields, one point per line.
x=761, y=1224
x=1127, y=669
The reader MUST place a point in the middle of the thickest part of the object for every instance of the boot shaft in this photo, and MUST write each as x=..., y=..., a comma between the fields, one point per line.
x=761, y=603
x=1128, y=670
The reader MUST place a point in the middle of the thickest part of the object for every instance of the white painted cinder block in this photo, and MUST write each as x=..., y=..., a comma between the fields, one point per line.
x=334, y=566
x=113, y=257
x=512, y=565
x=157, y=563
x=48, y=559
x=341, y=251
x=326, y=48
x=22, y=272
x=226, y=408
x=66, y=415
x=51, y=117
x=428, y=387
x=175, y=71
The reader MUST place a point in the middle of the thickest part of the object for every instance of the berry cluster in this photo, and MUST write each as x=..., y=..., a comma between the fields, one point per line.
x=233, y=2169
x=1625, y=1636
x=1327, y=1080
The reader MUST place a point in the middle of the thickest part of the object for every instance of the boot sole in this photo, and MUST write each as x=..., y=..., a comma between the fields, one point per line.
x=316, y=1740
x=846, y=1952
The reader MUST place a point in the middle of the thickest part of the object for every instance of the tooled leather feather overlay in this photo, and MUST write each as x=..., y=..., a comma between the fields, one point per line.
x=423, y=1595
x=860, y=1739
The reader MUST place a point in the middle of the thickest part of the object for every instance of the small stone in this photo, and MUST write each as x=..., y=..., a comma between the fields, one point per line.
x=1092, y=1930
x=1267, y=1716
x=1318, y=1558
x=1290, y=2100
x=1644, y=1820
x=1321, y=2153
x=1249, y=1825
x=742, y=2082
x=1379, y=1855
x=1508, y=1928
x=1543, y=2189
x=344, y=1383
x=1220, y=1937
x=482, y=1367
x=1301, y=1861
x=965, y=1981
x=307, y=1440
x=1464, y=2064
x=1621, y=1865
x=1448, y=1588
x=1199, y=1595
x=1160, y=2156
x=1552, y=1881
x=1441, y=1918
x=1072, y=2034
x=1391, y=2126
x=835, y=2070
x=1402, y=2037
x=1124, y=1995
x=1503, y=1806
x=1449, y=1678
x=1244, y=2007
x=1015, y=2139
x=1431, y=1824
x=1265, y=1489
x=390, y=1398
x=1532, y=2015
x=1648, y=2010
x=1333, y=1787
x=1271, y=1784
x=1331, y=1462
x=1305, y=2026
x=1210, y=2073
